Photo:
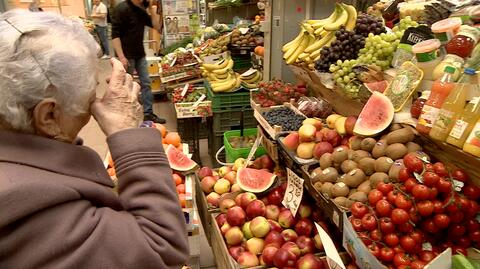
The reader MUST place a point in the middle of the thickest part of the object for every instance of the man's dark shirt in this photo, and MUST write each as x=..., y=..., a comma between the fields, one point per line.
x=128, y=24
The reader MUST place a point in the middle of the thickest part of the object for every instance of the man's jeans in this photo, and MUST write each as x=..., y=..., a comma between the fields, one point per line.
x=103, y=36
x=146, y=96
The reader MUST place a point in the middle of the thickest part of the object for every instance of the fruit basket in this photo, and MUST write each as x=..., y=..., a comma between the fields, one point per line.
x=264, y=115
x=233, y=152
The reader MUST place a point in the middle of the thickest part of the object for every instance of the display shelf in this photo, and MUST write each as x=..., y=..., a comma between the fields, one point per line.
x=272, y=131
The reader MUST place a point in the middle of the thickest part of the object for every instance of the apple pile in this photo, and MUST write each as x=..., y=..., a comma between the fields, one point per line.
x=216, y=183
x=277, y=92
x=427, y=209
x=264, y=232
x=180, y=186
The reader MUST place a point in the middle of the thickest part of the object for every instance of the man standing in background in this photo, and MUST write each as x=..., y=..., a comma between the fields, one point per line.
x=128, y=24
x=99, y=16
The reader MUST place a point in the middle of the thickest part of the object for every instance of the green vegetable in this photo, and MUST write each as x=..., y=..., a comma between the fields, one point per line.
x=461, y=262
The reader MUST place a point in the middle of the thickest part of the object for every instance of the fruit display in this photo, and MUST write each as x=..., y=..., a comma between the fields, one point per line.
x=216, y=46
x=277, y=92
x=246, y=141
x=193, y=94
x=180, y=57
x=178, y=160
x=180, y=185
x=251, y=79
x=284, y=117
x=261, y=231
x=313, y=107
x=315, y=34
x=243, y=40
x=221, y=76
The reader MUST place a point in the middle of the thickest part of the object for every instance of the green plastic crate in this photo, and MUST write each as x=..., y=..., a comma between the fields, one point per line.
x=228, y=100
x=230, y=120
x=233, y=154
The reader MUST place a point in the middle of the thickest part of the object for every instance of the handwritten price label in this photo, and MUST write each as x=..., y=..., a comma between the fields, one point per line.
x=185, y=89
x=294, y=193
x=333, y=258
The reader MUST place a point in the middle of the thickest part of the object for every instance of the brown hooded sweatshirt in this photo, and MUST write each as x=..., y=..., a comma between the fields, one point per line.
x=58, y=209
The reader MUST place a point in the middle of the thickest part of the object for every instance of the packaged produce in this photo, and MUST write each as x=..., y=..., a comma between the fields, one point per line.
x=464, y=41
x=427, y=55
x=465, y=123
x=438, y=10
x=451, y=108
x=403, y=85
x=449, y=60
x=444, y=30
x=472, y=144
x=440, y=90
x=402, y=54
x=314, y=107
x=414, y=10
x=417, y=106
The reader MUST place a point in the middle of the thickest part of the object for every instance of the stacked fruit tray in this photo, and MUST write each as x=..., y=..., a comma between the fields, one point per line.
x=277, y=119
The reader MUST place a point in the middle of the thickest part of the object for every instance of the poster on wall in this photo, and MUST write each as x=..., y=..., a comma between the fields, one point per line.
x=177, y=24
x=172, y=7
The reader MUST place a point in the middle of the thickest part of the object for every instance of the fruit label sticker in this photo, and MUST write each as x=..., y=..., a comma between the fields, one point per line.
x=185, y=89
x=333, y=258
x=294, y=192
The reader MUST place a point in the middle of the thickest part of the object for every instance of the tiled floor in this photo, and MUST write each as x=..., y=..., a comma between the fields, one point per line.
x=93, y=137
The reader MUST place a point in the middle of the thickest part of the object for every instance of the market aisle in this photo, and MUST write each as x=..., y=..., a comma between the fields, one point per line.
x=94, y=138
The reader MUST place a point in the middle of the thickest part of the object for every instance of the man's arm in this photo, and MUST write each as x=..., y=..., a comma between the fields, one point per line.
x=157, y=21
x=117, y=46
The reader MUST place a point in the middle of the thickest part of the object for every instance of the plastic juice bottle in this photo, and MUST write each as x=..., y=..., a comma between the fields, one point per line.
x=452, y=108
x=472, y=144
x=465, y=123
x=440, y=90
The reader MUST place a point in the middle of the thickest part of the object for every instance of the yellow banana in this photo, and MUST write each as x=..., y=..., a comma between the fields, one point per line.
x=292, y=49
x=320, y=43
x=316, y=58
x=352, y=17
x=326, y=21
x=250, y=85
x=300, y=49
x=308, y=28
x=252, y=80
x=311, y=66
x=225, y=69
x=225, y=86
x=303, y=55
x=293, y=42
x=219, y=65
x=238, y=82
x=341, y=19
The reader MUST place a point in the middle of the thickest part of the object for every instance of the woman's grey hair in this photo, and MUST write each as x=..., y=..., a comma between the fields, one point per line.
x=43, y=55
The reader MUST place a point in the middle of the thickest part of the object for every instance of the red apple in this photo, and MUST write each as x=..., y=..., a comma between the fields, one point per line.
x=255, y=245
x=304, y=210
x=274, y=226
x=284, y=258
x=322, y=148
x=221, y=219
x=292, y=247
x=204, y=172
x=268, y=253
x=332, y=137
x=225, y=227
x=234, y=236
x=305, y=244
x=255, y=208
x=267, y=162
x=246, y=198
x=286, y=219
x=274, y=238
x=272, y=212
x=304, y=227
x=350, y=124
x=212, y=199
x=236, y=216
x=225, y=204
x=309, y=261
x=289, y=235
x=207, y=184
x=231, y=177
x=259, y=227
x=275, y=197
x=238, y=199
x=318, y=136
x=247, y=259
x=235, y=251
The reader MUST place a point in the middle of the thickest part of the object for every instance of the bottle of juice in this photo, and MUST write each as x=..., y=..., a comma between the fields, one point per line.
x=472, y=144
x=465, y=123
x=463, y=43
x=452, y=107
x=440, y=90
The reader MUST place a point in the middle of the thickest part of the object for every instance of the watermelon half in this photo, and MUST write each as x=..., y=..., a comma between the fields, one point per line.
x=178, y=160
x=376, y=116
x=254, y=180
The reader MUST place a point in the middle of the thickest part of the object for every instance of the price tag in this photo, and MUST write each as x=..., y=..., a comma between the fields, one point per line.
x=336, y=218
x=195, y=105
x=243, y=30
x=173, y=62
x=185, y=89
x=418, y=177
x=294, y=193
x=254, y=148
x=458, y=185
x=427, y=246
x=248, y=72
x=333, y=259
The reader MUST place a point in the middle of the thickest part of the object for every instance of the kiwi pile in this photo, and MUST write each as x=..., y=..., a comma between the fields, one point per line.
x=347, y=175
x=243, y=40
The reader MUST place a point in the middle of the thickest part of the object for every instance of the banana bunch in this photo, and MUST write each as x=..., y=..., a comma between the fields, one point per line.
x=315, y=34
x=251, y=79
x=221, y=76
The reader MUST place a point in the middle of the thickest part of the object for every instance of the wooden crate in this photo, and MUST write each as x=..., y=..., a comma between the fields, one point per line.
x=272, y=131
x=204, y=210
x=270, y=145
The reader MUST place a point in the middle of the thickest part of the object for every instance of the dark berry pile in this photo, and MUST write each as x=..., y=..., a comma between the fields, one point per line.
x=369, y=24
x=284, y=117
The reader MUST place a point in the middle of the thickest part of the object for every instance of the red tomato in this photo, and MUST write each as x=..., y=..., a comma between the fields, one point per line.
x=398, y=249
x=413, y=163
x=369, y=223
x=425, y=208
x=440, y=169
x=386, y=225
x=460, y=175
x=473, y=210
x=475, y=236
x=401, y=259
x=421, y=192
x=409, y=184
x=444, y=186
x=364, y=236
x=403, y=202
x=430, y=179
x=417, y=236
x=464, y=242
x=414, y=216
x=417, y=264
x=386, y=254
x=472, y=225
x=403, y=175
x=429, y=167
x=429, y=226
x=376, y=235
x=464, y=203
x=383, y=208
x=471, y=191
x=437, y=206
x=426, y=256
x=456, y=217
x=391, y=196
x=459, y=250
x=391, y=240
x=433, y=193
x=442, y=221
x=358, y=209
x=399, y=216
x=374, y=249
x=374, y=196
x=406, y=228
x=408, y=243
x=456, y=230
x=356, y=224
x=385, y=188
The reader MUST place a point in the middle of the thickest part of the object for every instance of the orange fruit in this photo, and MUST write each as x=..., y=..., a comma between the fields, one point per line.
x=181, y=189
x=182, y=200
x=162, y=129
x=173, y=139
x=180, y=147
x=111, y=171
x=178, y=179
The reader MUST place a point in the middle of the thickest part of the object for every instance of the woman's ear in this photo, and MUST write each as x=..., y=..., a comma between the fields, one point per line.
x=45, y=118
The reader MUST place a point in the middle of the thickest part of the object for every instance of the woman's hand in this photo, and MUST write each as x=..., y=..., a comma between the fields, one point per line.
x=119, y=108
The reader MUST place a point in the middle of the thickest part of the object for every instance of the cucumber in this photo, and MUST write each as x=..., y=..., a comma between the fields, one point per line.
x=461, y=262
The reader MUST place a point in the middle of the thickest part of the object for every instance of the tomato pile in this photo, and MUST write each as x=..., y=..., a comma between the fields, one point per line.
x=408, y=223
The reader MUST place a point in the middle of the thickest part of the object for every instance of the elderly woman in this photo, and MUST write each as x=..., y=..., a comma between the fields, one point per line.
x=57, y=206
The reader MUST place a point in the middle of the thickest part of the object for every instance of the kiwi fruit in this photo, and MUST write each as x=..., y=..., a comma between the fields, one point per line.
x=364, y=187
x=396, y=151
x=315, y=174
x=368, y=144
x=326, y=189
x=351, y=152
x=379, y=149
x=395, y=170
x=340, y=189
x=326, y=160
x=349, y=203
x=403, y=136
x=340, y=155
x=395, y=126
x=340, y=201
x=367, y=165
x=356, y=143
x=359, y=154
x=352, y=191
x=377, y=178
x=354, y=178
x=348, y=165
x=318, y=186
x=413, y=147
x=329, y=174
x=358, y=197
x=383, y=164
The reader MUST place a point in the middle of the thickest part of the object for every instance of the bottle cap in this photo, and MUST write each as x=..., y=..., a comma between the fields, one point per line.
x=449, y=69
x=469, y=71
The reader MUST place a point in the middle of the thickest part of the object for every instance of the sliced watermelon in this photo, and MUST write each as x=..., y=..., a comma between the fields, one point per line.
x=254, y=180
x=376, y=116
x=377, y=86
x=178, y=160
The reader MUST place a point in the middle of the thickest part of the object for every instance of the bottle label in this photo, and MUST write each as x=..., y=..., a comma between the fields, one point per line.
x=429, y=115
x=474, y=137
x=458, y=129
x=471, y=32
x=444, y=37
x=444, y=120
x=426, y=56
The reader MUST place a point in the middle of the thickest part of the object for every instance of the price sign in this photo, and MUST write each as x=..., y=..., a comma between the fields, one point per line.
x=254, y=148
x=185, y=89
x=195, y=105
x=243, y=30
x=173, y=62
x=294, y=193
x=333, y=259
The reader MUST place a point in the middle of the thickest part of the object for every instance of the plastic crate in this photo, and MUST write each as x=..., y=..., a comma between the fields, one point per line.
x=226, y=101
x=215, y=142
x=242, y=63
x=232, y=153
x=230, y=120
x=184, y=130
